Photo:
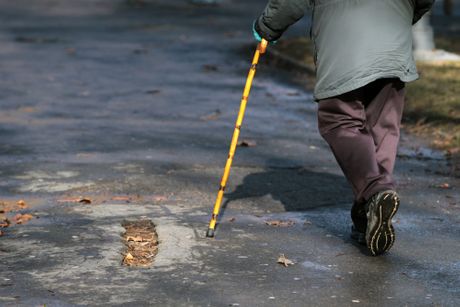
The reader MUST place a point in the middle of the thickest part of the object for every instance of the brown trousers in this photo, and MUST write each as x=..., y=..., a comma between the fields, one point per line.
x=362, y=129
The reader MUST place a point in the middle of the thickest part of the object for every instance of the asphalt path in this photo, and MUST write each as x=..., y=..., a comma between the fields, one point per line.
x=116, y=99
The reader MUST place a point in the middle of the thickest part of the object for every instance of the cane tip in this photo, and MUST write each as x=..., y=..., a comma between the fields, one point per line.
x=210, y=233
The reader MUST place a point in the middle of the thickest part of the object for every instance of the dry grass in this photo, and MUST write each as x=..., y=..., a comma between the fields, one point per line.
x=433, y=105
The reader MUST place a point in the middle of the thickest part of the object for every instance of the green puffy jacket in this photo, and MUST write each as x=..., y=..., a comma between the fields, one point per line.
x=355, y=41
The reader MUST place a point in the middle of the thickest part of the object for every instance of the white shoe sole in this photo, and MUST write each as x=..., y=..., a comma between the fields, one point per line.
x=380, y=234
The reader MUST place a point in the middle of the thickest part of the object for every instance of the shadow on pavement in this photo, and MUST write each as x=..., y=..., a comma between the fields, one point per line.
x=297, y=188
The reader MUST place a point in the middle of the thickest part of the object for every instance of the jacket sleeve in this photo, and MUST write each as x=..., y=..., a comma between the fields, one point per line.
x=278, y=16
x=420, y=8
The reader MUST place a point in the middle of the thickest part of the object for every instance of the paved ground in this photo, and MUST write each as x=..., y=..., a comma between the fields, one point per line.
x=101, y=99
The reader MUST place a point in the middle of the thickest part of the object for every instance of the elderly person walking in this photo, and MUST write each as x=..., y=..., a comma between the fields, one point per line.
x=363, y=58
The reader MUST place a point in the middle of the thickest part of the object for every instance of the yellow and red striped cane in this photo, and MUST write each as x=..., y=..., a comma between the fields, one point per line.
x=261, y=48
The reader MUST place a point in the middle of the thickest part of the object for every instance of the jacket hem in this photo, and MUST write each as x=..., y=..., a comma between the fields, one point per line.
x=362, y=82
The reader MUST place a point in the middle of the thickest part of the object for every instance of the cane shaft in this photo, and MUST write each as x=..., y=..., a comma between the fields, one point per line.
x=236, y=133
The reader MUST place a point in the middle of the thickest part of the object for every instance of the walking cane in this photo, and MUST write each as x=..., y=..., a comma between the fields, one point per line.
x=261, y=48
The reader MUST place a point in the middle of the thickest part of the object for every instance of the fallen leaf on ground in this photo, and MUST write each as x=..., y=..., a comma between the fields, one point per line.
x=128, y=258
x=135, y=239
x=141, y=51
x=70, y=51
x=230, y=34
x=27, y=109
x=7, y=206
x=280, y=223
x=4, y=223
x=443, y=186
x=85, y=201
x=85, y=155
x=21, y=203
x=453, y=151
x=160, y=198
x=210, y=68
x=122, y=198
x=231, y=220
x=211, y=116
x=22, y=218
x=247, y=143
x=82, y=200
x=37, y=40
x=153, y=92
x=284, y=261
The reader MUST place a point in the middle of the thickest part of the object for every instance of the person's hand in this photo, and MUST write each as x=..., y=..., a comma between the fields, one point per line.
x=256, y=34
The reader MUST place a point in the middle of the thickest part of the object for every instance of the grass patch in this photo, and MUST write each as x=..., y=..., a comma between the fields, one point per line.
x=433, y=105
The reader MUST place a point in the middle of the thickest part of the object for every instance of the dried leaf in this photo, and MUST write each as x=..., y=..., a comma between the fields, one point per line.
x=37, y=40
x=27, y=109
x=153, y=92
x=85, y=201
x=128, y=258
x=22, y=204
x=231, y=220
x=280, y=223
x=82, y=200
x=453, y=151
x=210, y=68
x=122, y=198
x=22, y=218
x=160, y=198
x=141, y=51
x=212, y=116
x=135, y=239
x=4, y=223
x=70, y=51
x=247, y=143
x=8, y=206
x=444, y=186
x=284, y=261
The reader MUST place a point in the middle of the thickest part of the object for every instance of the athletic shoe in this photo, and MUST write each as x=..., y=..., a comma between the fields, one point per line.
x=380, y=234
x=359, y=218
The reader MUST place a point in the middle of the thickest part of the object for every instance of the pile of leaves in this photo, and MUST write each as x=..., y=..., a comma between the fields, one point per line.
x=141, y=242
x=18, y=218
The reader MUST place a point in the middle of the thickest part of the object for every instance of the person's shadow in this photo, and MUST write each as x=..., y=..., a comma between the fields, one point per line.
x=297, y=188
x=325, y=198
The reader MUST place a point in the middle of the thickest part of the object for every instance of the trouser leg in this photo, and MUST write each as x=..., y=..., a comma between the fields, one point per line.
x=384, y=122
x=362, y=129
